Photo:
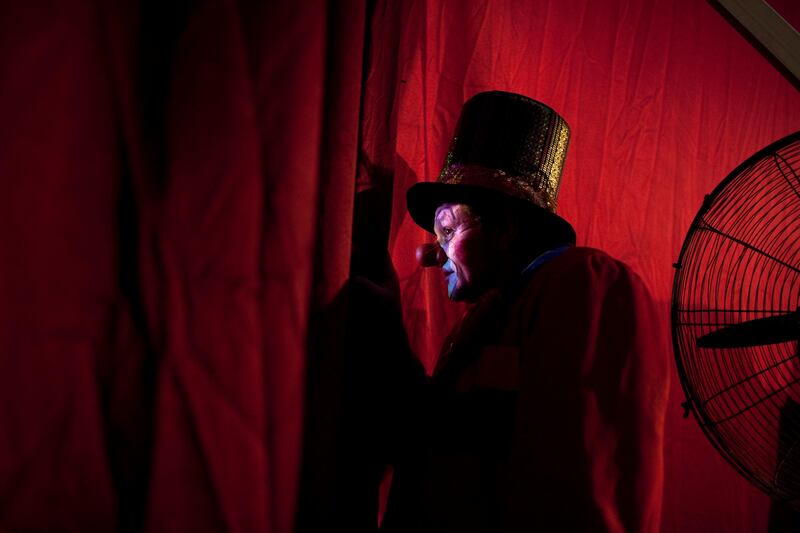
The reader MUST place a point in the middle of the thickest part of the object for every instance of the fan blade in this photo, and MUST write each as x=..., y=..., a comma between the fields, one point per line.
x=770, y=330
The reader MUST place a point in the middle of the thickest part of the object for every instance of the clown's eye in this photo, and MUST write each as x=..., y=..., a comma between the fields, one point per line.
x=444, y=235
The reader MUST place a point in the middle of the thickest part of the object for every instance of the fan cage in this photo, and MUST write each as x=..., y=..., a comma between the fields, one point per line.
x=741, y=261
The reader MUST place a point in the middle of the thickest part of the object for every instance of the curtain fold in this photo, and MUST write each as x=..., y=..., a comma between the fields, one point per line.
x=178, y=187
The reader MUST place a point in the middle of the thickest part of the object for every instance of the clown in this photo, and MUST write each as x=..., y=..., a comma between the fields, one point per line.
x=545, y=411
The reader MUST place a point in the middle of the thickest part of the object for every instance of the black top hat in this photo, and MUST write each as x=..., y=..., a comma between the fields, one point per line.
x=506, y=147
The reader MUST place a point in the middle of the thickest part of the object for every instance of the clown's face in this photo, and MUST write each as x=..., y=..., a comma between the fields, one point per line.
x=474, y=257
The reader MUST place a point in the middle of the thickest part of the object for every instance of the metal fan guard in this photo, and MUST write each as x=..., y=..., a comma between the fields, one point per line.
x=741, y=261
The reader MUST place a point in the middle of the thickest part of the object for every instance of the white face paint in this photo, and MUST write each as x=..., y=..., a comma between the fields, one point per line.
x=472, y=256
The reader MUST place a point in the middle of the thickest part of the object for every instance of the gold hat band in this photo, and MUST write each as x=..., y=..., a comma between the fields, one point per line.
x=498, y=180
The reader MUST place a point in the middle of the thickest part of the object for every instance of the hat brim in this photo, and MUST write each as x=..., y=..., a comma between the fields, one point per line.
x=423, y=199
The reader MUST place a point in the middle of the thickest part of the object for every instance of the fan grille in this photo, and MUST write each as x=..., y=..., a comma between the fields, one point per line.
x=741, y=261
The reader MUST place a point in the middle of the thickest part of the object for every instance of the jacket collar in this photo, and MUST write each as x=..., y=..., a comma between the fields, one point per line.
x=483, y=321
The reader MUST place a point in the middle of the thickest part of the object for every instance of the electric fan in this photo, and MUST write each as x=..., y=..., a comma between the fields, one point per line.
x=736, y=318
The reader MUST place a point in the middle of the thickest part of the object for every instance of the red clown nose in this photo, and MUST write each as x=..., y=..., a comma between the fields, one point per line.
x=430, y=254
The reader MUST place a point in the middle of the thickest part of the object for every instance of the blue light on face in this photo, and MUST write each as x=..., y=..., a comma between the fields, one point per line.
x=452, y=279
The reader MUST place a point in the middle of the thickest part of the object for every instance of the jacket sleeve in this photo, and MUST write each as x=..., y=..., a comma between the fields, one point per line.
x=587, y=451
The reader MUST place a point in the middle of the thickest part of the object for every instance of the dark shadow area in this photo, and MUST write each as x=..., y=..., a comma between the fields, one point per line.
x=783, y=518
x=358, y=400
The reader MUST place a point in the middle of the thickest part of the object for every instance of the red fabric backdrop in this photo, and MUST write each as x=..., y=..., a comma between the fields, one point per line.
x=664, y=98
x=176, y=211
x=175, y=207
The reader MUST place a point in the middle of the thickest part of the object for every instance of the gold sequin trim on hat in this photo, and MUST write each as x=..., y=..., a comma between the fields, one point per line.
x=500, y=181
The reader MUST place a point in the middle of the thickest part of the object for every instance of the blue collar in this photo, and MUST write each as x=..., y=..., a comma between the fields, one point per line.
x=544, y=258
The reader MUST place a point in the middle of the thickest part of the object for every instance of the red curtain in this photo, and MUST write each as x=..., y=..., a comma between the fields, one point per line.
x=176, y=212
x=664, y=98
x=176, y=203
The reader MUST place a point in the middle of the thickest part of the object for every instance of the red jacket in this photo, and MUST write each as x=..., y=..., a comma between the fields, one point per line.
x=545, y=412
